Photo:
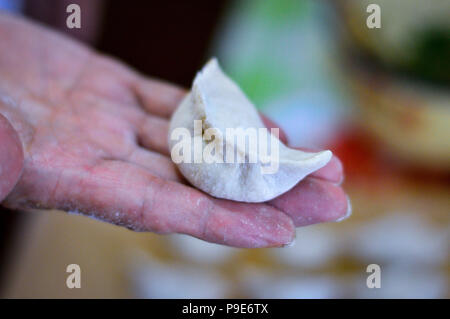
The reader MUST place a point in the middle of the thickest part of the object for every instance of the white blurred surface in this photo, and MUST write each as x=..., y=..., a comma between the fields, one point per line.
x=402, y=239
x=314, y=247
x=153, y=279
x=195, y=250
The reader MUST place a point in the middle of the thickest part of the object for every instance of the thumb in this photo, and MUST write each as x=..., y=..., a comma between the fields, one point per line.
x=11, y=157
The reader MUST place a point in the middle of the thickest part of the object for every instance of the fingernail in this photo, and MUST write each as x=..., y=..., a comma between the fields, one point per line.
x=349, y=211
x=290, y=244
x=339, y=183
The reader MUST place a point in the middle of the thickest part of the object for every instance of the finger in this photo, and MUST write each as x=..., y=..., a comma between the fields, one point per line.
x=150, y=203
x=158, y=97
x=271, y=124
x=249, y=225
x=332, y=172
x=152, y=131
x=130, y=196
x=11, y=157
x=313, y=201
x=153, y=134
x=157, y=164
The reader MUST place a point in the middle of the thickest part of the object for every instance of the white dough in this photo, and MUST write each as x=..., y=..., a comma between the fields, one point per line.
x=220, y=104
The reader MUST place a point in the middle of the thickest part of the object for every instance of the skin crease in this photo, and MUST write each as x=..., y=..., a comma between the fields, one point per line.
x=94, y=136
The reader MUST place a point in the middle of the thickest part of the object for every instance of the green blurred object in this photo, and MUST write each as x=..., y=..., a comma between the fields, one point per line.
x=262, y=81
x=431, y=56
x=414, y=38
x=282, y=12
x=260, y=48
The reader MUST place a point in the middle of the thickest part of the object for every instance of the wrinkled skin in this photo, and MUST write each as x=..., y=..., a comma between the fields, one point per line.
x=94, y=138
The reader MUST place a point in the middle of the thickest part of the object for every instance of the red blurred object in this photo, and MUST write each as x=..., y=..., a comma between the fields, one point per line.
x=364, y=157
x=358, y=152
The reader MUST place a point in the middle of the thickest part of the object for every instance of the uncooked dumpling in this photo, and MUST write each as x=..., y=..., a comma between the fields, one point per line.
x=257, y=171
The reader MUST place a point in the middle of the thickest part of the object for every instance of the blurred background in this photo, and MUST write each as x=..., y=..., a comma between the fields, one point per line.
x=378, y=98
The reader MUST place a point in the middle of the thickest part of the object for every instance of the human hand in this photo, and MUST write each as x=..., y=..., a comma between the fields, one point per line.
x=94, y=136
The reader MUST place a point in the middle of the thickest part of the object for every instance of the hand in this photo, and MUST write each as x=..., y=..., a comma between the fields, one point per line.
x=94, y=135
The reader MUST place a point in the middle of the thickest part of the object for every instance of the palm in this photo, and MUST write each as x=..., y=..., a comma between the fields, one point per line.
x=95, y=142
